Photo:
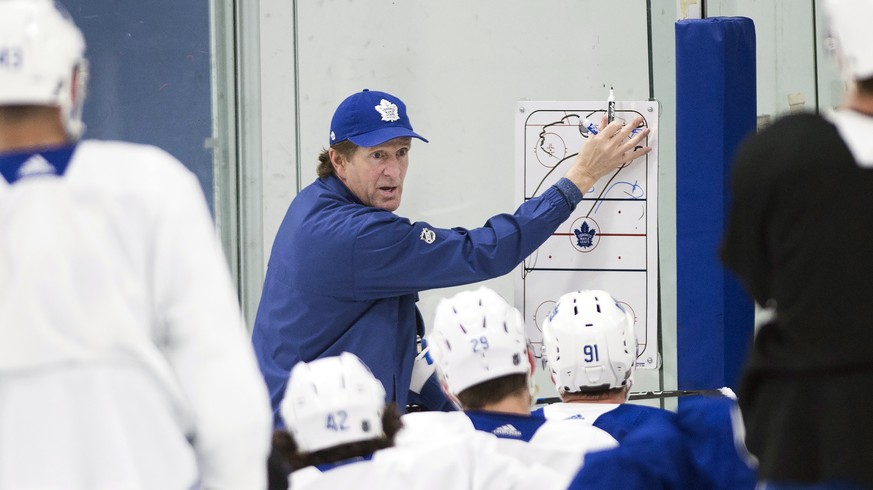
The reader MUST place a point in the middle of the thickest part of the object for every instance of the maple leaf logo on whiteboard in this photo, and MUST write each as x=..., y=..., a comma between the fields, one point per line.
x=585, y=235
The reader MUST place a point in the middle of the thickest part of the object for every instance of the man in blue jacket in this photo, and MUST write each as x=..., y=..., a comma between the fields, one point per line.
x=345, y=271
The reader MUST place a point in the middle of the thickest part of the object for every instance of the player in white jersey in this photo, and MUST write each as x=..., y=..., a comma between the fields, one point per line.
x=340, y=434
x=124, y=361
x=479, y=347
x=590, y=347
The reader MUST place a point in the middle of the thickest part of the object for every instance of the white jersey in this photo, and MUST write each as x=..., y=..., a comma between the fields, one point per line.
x=124, y=361
x=560, y=445
x=855, y=129
x=579, y=411
x=468, y=463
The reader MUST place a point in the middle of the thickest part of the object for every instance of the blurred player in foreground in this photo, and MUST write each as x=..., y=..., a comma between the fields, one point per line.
x=798, y=237
x=124, y=361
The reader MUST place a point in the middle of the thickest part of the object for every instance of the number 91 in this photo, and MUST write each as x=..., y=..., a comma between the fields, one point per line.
x=591, y=353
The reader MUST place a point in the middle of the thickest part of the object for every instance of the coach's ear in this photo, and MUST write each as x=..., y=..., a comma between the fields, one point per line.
x=338, y=162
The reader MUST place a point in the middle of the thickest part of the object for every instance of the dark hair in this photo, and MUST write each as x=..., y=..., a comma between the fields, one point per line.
x=492, y=391
x=866, y=86
x=594, y=394
x=22, y=112
x=286, y=448
x=345, y=148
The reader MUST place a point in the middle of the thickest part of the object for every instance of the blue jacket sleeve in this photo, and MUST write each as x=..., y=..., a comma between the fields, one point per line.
x=393, y=256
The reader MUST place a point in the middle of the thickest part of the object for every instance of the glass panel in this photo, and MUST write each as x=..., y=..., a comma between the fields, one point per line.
x=150, y=76
x=786, y=52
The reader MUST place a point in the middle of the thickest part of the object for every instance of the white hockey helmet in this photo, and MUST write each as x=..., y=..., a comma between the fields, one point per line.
x=849, y=25
x=40, y=49
x=332, y=401
x=589, y=342
x=477, y=336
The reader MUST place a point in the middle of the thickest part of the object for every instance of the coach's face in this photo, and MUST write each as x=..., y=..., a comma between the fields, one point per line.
x=375, y=174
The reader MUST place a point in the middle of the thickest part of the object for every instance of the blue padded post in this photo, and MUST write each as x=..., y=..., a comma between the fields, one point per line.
x=715, y=110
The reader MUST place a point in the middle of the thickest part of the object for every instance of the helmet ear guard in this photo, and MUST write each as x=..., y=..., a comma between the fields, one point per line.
x=589, y=342
x=43, y=62
x=476, y=337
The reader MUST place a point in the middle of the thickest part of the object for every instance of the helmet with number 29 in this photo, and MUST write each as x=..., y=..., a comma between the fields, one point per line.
x=477, y=336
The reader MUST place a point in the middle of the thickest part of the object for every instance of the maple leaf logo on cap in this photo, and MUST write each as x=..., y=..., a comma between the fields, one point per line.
x=388, y=110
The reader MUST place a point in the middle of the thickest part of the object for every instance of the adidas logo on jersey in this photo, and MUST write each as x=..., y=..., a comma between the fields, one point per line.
x=506, y=431
x=36, y=165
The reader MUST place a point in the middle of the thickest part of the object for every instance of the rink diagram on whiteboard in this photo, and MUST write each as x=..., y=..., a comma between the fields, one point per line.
x=610, y=240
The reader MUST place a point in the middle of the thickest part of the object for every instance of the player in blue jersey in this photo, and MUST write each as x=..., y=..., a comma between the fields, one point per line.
x=345, y=270
x=590, y=346
x=480, y=350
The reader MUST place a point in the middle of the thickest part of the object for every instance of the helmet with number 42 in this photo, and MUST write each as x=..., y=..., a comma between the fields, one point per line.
x=332, y=401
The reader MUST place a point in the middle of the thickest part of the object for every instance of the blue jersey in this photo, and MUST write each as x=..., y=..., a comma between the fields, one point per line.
x=506, y=425
x=698, y=447
x=713, y=431
x=651, y=454
x=343, y=276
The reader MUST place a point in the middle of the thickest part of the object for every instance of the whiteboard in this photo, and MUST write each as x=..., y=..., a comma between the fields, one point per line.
x=610, y=241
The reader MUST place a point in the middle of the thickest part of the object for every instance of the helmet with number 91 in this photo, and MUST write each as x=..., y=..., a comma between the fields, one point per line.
x=41, y=58
x=477, y=336
x=589, y=343
x=332, y=401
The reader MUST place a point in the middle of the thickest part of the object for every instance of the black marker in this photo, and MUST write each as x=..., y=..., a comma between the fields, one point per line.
x=610, y=107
